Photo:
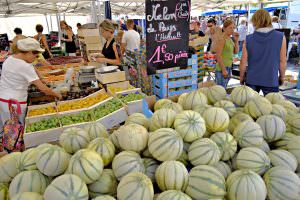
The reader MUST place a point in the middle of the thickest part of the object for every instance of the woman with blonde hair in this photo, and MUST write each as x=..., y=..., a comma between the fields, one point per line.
x=110, y=52
x=225, y=49
x=265, y=53
x=68, y=38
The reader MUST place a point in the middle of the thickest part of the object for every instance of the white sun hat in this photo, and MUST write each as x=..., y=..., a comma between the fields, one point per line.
x=29, y=44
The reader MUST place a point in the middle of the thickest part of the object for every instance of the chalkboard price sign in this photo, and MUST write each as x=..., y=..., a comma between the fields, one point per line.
x=167, y=34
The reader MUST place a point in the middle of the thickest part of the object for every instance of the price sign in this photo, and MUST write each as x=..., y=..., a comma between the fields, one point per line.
x=167, y=34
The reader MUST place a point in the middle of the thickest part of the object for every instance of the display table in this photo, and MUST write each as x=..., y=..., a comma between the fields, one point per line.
x=293, y=96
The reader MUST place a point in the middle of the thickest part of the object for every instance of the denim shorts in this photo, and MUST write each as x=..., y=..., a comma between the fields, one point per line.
x=220, y=80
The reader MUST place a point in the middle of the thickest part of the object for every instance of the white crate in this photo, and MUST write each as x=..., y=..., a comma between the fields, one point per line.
x=40, y=137
x=113, y=119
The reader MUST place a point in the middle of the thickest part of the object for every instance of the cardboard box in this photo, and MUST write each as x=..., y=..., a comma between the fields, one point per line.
x=83, y=33
x=113, y=77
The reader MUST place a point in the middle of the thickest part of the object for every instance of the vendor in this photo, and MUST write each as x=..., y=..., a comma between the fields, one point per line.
x=68, y=38
x=225, y=49
x=109, y=51
x=17, y=74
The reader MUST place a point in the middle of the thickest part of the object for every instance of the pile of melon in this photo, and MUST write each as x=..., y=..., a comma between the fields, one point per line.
x=206, y=146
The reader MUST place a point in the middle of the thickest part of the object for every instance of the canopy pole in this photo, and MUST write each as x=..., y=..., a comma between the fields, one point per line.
x=249, y=12
x=58, y=26
x=51, y=22
x=93, y=12
x=47, y=23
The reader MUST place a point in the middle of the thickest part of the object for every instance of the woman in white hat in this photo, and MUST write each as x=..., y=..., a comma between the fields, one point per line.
x=17, y=74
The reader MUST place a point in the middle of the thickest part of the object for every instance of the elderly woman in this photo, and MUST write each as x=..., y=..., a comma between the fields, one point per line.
x=110, y=51
x=17, y=74
x=265, y=53
x=225, y=49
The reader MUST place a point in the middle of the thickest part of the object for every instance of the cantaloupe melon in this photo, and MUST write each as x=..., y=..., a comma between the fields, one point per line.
x=282, y=184
x=160, y=103
x=226, y=143
x=106, y=185
x=217, y=119
x=105, y=148
x=133, y=137
x=254, y=159
x=241, y=95
x=206, y=182
x=127, y=162
x=204, y=152
x=173, y=194
x=104, y=197
x=280, y=157
x=52, y=161
x=171, y=175
x=4, y=191
x=181, y=98
x=150, y=168
x=96, y=130
x=265, y=147
x=294, y=122
x=114, y=139
x=28, y=196
x=224, y=168
x=293, y=146
x=87, y=165
x=193, y=99
x=201, y=108
x=173, y=106
x=248, y=134
x=135, y=186
x=165, y=144
x=74, y=139
x=282, y=143
x=138, y=118
x=66, y=187
x=163, y=118
x=216, y=93
x=184, y=158
x=28, y=181
x=228, y=106
x=237, y=119
x=274, y=97
x=27, y=160
x=272, y=126
x=190, y=125
x=8, y=167
x=290, y=107
x=258, y=107
x=279, y=111
x=245, y=184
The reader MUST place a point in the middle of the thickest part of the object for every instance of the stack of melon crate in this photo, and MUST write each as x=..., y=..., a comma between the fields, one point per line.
x=201, y=68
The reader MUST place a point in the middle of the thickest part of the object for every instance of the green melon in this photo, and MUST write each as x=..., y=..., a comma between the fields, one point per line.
x=173, y=106
x=206, y=182
x=127, y=162
x=248, y=134
x=138, y=118
x=52, y=161
x=282, y=143
x=96, y=130
x=283, y=158
x=184, y=158
x=217, y=119
x=272, y=126
x=226, y=143
x=237, y=119
x=28, y=181
x=165, y=144
x=173, y=194
x=293, y=146
x=204, y=90
x=201, y=108
x=163, y=118
x=159, y=104
x=224, y=168
x=67, y=187
x=4, y=195
x=190, y=125
x=28, y=196
x=135, y=186
x=8, y=167
x=216, y=93
x=193, y=99
x=150, y=167
x=27, y=160
x=290, y=107
x=106, y=185
x=114, y=139
x=245, y=184
x=105, y=148
x=279, y=111
x=87, y=165
x=274, y=97
x=254, y=159
x=265, y=147
x=181, y=98
x=294, y=122
x=228, y=106
x=74, y=139
x=204, y=152
x=282, y=184
x=242, y=95
x=171, y=175
x=258, y=107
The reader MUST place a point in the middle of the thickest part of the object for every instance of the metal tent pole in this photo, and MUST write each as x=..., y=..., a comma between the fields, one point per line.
x=47, y=23
x=51, y=22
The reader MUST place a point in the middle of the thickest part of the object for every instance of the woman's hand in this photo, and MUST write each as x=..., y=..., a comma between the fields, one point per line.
x=225, y=73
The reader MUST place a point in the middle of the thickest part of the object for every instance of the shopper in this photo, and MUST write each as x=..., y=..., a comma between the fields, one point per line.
x=197, y=29
x=18, y=36
x=17, y=74
x=275, y=23
x=265, y=53
x=211, y=24
x=242, y=30
x=109, y=50
x=131, y=39
x=119, y=38
x=225, y=49
x=41, y=38
x=68, y=39
x=79, y=26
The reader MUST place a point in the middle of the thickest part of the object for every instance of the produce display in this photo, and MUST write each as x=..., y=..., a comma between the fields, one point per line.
x=64, y=60
x=131, y=97
x=41, y=111
x=202, y=154
x=114, y=90
x=44, y=124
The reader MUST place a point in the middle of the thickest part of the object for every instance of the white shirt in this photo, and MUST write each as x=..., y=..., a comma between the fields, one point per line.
x=242, y=30
x=132, y=40
x=15, y=78
x=276, y=25
x=250, y=29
